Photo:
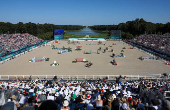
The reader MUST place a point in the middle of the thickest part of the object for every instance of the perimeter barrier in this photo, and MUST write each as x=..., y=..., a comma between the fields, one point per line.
x=79, y=77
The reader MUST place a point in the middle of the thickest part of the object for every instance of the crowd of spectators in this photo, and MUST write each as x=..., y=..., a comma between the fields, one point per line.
x=160, y=42
x=84, y=95
x=14, y=42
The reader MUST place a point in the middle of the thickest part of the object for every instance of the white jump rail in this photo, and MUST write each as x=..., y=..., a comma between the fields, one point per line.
x=152, y=76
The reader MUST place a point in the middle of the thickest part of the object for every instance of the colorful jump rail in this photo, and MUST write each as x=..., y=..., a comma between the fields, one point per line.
x=79, y=60
x=78, y=48
x=62, y=49
x=38, y=59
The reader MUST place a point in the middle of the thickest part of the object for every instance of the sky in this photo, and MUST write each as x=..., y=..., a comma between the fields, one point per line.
x=84, y=12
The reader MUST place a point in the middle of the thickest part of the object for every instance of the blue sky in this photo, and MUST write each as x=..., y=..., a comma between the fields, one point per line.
x=84, y=12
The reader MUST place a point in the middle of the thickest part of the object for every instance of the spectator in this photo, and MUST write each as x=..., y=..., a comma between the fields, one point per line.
x=104, y=95
x=99, y=103
x=165, y=105
x=153, y=41
x=13, y=100
x=81, y=105
x=115, y=105
x=11, y=43
x=48, y=105
x=65, y=105
x=9, y=106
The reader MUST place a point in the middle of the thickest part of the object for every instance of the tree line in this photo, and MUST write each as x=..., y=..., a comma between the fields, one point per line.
x=129, y=30
x=134, y=28
x=44, y=31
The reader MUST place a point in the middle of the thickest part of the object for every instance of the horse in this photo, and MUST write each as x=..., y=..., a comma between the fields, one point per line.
x=113, y=55
x=89, y=64
x=113, y=62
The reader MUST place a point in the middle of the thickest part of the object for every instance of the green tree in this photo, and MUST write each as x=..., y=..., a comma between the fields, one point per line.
x=20, y=27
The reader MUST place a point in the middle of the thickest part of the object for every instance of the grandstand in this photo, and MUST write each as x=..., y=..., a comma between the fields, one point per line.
x=85, y=95
x=14, y=44
x=158, y=45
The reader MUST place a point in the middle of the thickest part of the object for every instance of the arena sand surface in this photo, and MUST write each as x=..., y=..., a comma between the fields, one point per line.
x=130, y=65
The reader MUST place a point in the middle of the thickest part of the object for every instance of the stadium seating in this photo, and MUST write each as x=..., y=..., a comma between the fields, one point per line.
x=86, y=95
x=12, y=44
x=160, y=42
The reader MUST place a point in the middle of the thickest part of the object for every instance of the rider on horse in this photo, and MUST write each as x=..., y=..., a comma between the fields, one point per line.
x=113, y=61
x=89, y=64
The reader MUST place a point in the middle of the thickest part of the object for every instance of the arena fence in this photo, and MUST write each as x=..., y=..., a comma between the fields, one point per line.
x=79, y=77
x=113, y=39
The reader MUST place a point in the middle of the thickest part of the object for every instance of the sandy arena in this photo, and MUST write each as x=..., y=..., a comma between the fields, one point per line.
x=129, y=65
